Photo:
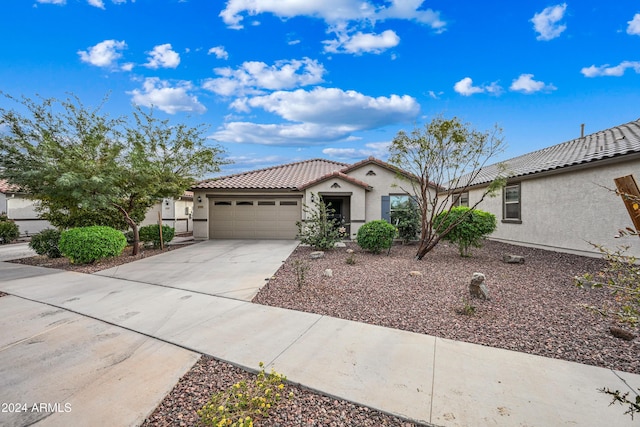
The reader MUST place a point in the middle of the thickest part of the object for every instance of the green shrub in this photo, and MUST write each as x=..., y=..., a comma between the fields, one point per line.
x=245, y=401
x=376, y=235
x=320, y=230
x=406, y=218
x=151, y=234
x=473, y=226
x=47, y=242
x=88, y=244
x=9, y=230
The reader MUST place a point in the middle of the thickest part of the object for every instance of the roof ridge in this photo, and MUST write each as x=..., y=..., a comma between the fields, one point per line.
x=273, y=168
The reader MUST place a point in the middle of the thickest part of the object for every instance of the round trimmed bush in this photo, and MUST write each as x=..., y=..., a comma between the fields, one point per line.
x=151, y=234
x=375, y=236
x=88, y=244
x=472, y=226
x=9, y=230
x=47, y=242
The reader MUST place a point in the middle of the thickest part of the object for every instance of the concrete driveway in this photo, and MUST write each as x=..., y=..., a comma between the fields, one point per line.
x=234, y=269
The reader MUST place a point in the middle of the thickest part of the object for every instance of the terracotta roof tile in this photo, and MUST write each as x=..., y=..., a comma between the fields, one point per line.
x=288, y=176
x=336, y=174
x=5, y=187
x=617, y=141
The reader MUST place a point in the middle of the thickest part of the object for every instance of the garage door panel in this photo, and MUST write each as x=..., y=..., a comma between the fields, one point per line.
x=256, y=219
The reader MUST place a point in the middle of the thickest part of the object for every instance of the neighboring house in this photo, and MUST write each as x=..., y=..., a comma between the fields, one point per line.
x=21, y=209
x=557, y=198
x=176, y=213
x=267, y=203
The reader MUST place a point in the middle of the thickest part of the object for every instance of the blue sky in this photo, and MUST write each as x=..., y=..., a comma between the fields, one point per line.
x=279, y=81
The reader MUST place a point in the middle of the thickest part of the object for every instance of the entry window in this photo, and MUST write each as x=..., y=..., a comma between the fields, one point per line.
x=511, y=210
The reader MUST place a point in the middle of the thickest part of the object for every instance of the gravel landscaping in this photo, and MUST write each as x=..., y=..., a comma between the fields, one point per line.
x=534, y=307
x=306, y=408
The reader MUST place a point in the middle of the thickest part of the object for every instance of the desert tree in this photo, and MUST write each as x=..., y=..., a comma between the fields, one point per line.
x=445, y=157
x=87, y=168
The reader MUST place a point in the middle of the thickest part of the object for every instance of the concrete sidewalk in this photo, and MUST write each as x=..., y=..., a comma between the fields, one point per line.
x=420, y=377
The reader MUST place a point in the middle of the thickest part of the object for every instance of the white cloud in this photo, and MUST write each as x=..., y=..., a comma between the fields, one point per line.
x=360, y=42
x=409, y=10
x=278, y=134
x=253, y=77
x=634, y=25
x=547, y=23
x=379, y=150
x=219, y=52
x=104, y=54
x=336, y=107
x=332, y=11
x=96, y=3
x=465, y=87
x=525, y=83
x=317, y=116
x=58, y=2
x=163, y=56
x=607, y=70
x=161, y=95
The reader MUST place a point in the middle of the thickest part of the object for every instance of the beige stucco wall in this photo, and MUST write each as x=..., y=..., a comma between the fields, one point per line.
x=565, y=211
x=200, y=216
x=357, y=199
x=384, y=183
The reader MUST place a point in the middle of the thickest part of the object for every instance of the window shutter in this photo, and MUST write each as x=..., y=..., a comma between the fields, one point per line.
x=386, y=208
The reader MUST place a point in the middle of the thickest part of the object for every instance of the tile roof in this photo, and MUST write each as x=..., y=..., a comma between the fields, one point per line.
x=335, y=174
x=286, y=177
x=614, y=142
x=5, y=187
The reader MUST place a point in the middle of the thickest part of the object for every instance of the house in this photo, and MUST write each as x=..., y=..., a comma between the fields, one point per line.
x=18, y=207
x=267, y=203
x=557, y=198
x=176, y=213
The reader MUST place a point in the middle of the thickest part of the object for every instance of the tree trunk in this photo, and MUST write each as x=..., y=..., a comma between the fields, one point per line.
x=136, y=238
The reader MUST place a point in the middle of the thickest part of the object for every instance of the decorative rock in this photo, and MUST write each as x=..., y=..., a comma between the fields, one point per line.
x=349, y=251
x=622, y=333
x=340, y=245
x=316, y=255
x=415, y=273
x=477, y=288
x=328, y=273
x=513, y=259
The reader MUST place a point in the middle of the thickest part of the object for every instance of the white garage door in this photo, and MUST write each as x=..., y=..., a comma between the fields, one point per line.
x=254, y=219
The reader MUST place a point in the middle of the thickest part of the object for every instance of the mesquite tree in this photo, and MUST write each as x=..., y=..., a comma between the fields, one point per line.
x=86, y=168
x=446, y=157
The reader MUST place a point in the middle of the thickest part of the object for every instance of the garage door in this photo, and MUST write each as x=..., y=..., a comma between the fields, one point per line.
x=254, y=219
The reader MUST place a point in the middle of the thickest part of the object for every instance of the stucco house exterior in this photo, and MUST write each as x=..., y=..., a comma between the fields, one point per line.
x=557, y=198
x=176, y=213
x=267, y=203
x=21, y=209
